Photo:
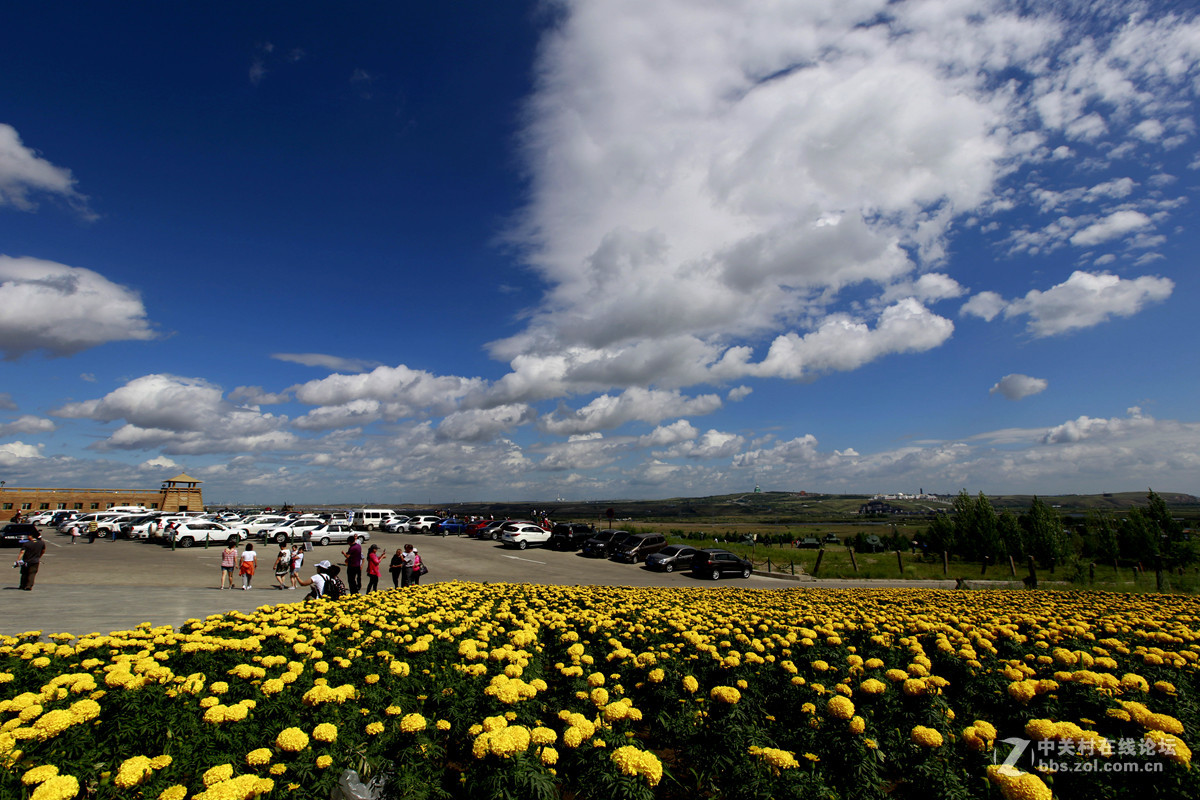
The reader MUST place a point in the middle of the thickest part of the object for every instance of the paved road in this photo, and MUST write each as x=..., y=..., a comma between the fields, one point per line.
x=105, y=586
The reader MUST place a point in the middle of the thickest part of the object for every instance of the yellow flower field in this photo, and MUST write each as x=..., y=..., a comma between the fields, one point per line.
x=462, y=690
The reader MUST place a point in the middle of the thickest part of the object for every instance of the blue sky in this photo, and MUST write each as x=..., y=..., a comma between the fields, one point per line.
x=414, y=253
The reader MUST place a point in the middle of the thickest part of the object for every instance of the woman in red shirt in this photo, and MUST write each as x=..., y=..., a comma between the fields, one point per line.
x=374, y=556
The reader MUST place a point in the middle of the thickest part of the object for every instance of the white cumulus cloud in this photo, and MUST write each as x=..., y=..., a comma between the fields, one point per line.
x=1017, y=386
x=64, y=310
x=24, y=174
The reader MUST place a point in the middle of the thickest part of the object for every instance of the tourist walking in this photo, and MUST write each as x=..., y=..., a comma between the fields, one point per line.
x=31, y=558
x=229, y=560
x=249, y=557
x=283, y=565
x=74, y=533
x=297, y=562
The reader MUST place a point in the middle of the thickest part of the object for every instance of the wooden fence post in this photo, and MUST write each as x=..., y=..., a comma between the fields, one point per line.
x=853, y=560
x=817, y=566
x=1012, y=566
x=1032, y=579
x=899, y=562
x=945, y=563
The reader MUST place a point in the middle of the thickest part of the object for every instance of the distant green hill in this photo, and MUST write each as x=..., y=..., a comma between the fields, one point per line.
x=796, y=507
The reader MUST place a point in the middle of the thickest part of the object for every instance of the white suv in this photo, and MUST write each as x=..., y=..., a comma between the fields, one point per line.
x=523, y=534
x=293, y=529
x=188, y=533
x=423, y=523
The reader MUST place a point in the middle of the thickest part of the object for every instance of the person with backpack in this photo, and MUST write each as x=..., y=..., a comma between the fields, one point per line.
x=317, y=581
x=283, y=564
x=334, y=588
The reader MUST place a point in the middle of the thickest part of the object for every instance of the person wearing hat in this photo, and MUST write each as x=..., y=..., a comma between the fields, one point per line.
x=317, y=581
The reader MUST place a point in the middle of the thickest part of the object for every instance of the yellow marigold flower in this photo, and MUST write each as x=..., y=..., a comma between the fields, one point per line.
x=895, y=675
x=60, y=787
x=176, y=792
x=400, y=668
x=599, y=696
x=549, y=756
x=325, y=732
x=840, y=707
x=324, y=761
x=915, y=687
x=857, y=725
x=690, y=684
x=161, y=762
x=656, y=675
x=1017, y=785
x=220, y=687
x=411, y=723
x=779, y=759
x=258, y=757
x=926, y=737
x=726, y=694
x=1170, y=746
x=133, y=771
x=221, y=772
x=278, y=769
x=374, y=728
x=38, y=775
x=291, y=740
x=393, y=711
x=872, y=686
x=272, y=686
x=443, y=725
x=632, y=761
x=595, y=679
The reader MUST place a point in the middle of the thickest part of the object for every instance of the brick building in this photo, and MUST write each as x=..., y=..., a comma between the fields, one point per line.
x=181, y=493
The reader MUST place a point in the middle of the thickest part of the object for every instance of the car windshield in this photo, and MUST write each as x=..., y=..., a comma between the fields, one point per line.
x=673, y=549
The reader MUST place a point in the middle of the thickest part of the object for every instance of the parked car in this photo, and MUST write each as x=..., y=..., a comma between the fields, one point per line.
x=396, y=524
x=254, y=526
x=335, y=532
x=715, y=563
x=637, y=547
x=193, y=532
x=422, y=523
x=12, y=534
x=523, y=534
x=569, y=535
x=807, y=543
x=473, y=528
x=490, y=531
x=294, y=530
x=598, y=545
x=451, y=525
x=671, y=557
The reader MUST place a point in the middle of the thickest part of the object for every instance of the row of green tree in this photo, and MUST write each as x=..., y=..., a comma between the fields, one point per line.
x=1143, y=535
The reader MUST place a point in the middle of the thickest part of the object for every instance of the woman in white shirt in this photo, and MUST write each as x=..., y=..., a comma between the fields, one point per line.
x=247, y=569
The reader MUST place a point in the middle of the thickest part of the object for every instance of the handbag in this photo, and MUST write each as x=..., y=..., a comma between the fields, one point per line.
x=422, y=570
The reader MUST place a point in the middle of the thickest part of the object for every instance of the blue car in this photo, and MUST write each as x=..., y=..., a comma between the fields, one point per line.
x=451, y=525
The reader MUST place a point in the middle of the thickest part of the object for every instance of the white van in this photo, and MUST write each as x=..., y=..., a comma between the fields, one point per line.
x=372, y=519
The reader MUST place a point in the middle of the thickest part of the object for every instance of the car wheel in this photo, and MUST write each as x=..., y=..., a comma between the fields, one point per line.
x=280, y=538
x=669, y=568
x=495, y=537
x=324, y=541
x=521, y=545
x=745, y=572
x=185, y=542
x=716, y=574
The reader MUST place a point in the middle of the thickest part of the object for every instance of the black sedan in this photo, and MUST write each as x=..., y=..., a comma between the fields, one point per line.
x=14, y=533
x=714, y=563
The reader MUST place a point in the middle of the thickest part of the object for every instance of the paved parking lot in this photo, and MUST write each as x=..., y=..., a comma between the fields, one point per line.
x=105, y=586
